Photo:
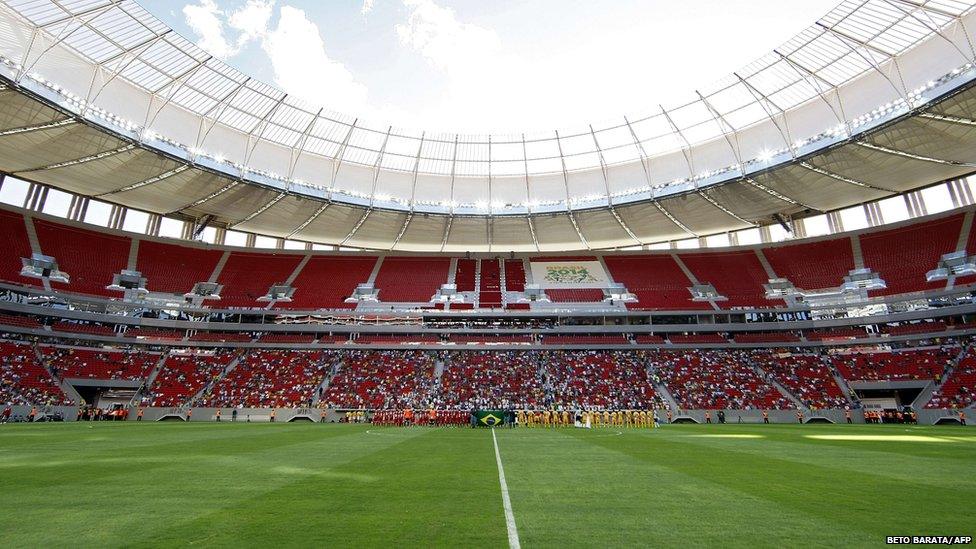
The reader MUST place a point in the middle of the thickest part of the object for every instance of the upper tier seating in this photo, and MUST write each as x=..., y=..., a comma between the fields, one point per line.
x=917, y=328
x=248, y=276
x=411, y=279
x=326, y=281
x=88, y=363
x=959, y=389
x=182, y=376
x=599, y=380
x=16, y=246
x=491, y=338
x=609, y=339
x=397, y=339
x=149, y=333
x=774, y=337
x=80, y=328
x=838, y=333
x=738, y=276
x=382, y=379
x=580, y=295
x=286, y=338
x=895, y=366
x=685, y=339
x=812, y=265
x=805, y=376
x=902, y=256
x=271, y=379
x=73, y=249
x=514, y=275
x=20, y=321
x=486, y=380
x=23, y=380
x=221, y=336
x=715, y=380
x=656, y=280
x=648, y=339
x=174, y=269
x=465, y=275
x=491, y=284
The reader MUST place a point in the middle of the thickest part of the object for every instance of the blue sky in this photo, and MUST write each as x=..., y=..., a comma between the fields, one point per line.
x=500, y=65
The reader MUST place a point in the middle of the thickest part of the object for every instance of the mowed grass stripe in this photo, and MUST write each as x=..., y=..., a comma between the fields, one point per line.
x=905, y=461
x=587, y=492
x=114, y=492
x=851, y=502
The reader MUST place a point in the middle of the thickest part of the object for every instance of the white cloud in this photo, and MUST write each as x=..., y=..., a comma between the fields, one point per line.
x=206, y=21
x=303, y=68
x=295, y=48
x=442, y=40
x=251, y=20
x=366, y=8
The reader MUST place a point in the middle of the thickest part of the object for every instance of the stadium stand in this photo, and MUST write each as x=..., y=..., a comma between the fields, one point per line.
x=959, y=388
x=812, y=265
x=895, y=366
x=16, y=246
x=478, y=379
x=609, y=339
x=490, y=294
x=738, y=276
x=248, y=276
x=581, y=295
x=804, y=376
x=381, y=380
x=656, y=280
x=286, y=338
x=148, y=333
x=20, y=321
x=715, y=380
x=221, y=336
x=514, y=275
x=409, y=279
x=175, y=269
x=686, y=339
x=23, y=380
x=88, y=363
x=82, y=328
x=183, y=376
x=840, y=333
x=917, y=328
x=599, y=380
x=72, y=247
x=772, y=337
x=326, y=281
x=465, y=275
x=649, y=339
x=902, y=256
x=271, y=379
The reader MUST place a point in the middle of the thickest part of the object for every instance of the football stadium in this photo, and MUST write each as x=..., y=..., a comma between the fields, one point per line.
x=233, y=316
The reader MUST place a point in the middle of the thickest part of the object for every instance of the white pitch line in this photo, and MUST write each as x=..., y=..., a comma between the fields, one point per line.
x=513, y=539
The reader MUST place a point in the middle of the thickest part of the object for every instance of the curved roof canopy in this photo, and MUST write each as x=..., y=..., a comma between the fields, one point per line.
x=786, y=133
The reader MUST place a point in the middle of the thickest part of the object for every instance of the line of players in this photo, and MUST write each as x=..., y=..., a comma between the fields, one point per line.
x=523, y=418
x=585, y=418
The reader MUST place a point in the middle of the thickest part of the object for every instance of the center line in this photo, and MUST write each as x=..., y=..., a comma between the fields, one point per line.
x=513, y=539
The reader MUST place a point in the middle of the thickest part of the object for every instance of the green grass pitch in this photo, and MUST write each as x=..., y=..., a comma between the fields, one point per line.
x=313, y=485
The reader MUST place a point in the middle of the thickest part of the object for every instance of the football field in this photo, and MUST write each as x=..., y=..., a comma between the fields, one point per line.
x=326, y=485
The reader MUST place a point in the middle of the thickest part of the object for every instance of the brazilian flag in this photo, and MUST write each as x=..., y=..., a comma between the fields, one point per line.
x=489, y=418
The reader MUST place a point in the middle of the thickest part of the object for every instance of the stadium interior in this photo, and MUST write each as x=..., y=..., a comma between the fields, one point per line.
x=793, y=245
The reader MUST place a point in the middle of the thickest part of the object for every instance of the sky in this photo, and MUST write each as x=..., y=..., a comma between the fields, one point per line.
x=480, y=66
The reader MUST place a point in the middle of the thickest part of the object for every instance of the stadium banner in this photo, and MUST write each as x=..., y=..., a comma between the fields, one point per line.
x=489, y=418
x=569, y=274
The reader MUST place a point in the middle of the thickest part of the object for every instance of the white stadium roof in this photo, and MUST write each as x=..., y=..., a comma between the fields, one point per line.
x=104, y=100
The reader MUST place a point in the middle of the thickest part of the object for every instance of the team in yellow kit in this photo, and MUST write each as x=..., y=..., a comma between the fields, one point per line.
x=639, y=419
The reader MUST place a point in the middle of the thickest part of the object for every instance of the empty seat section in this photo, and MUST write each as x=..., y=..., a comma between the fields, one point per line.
x=411, y=279
x=656, y=280
x=248, y=276
x=581, y=295
x=491, y=284
x=902, y=256
x=464, y=277
x=777, y=337
x=175, y=269
x=738, y=276
x=514, y=275
x=326, y=281
x=685, y=339
x=615, y=339
x=90, y=258
x=814, y=265
x=16, y=247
